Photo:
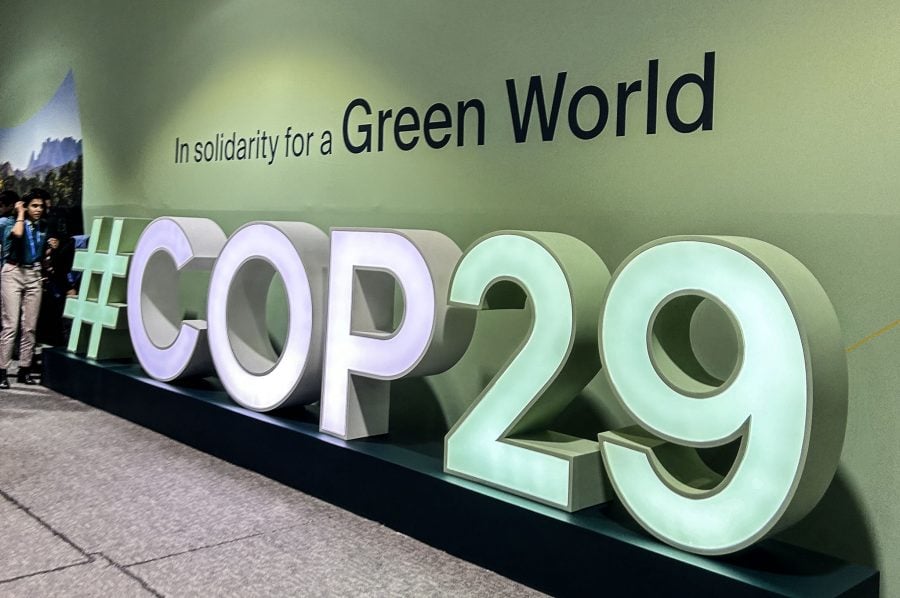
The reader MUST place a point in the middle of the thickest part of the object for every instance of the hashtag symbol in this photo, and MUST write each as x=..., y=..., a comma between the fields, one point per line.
x=101, y=296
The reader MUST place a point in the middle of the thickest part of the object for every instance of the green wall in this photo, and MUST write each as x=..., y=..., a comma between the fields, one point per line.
x=804, y=154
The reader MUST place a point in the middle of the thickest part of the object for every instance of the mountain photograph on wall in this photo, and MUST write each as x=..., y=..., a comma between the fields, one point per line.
x=46, y=152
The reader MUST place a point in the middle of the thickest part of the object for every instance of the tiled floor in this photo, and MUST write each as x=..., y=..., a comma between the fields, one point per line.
x=92, y=505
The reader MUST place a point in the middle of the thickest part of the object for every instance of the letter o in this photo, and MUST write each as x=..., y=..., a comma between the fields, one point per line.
x=252, y=374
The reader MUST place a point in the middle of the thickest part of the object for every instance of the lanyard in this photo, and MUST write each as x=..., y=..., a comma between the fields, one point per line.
x=32, y=245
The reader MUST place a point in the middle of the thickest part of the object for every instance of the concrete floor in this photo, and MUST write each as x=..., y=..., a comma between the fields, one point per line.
x=92, y=505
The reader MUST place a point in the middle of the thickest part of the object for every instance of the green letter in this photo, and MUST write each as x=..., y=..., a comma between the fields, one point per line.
x=503, y=439
x=785, y=399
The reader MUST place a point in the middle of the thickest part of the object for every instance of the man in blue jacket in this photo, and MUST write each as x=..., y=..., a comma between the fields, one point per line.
x=20, y=282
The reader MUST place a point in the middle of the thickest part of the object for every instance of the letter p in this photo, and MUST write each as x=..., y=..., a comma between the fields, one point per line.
x=364, y=350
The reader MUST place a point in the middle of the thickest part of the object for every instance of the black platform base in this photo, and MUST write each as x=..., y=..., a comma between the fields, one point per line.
x=593, y=552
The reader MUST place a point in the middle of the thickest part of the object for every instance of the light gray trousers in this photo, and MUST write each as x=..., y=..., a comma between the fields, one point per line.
x=20, y=299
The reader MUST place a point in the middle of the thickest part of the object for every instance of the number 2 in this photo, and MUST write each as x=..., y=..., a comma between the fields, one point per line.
x=503, y=438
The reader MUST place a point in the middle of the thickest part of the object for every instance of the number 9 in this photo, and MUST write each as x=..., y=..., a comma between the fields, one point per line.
x=786, y=398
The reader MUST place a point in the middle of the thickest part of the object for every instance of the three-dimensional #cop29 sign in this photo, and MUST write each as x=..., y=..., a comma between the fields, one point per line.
x=786, y=399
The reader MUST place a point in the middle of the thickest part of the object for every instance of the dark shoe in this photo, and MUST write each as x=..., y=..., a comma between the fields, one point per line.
x=4, y=382
x=26, y=377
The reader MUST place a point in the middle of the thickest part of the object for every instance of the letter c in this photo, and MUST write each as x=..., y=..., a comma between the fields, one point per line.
x=167, y=347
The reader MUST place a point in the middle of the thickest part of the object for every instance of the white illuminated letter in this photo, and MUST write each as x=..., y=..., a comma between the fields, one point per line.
x=785, y=398
x=246, y=363
x=167, y=347
x=363, y=351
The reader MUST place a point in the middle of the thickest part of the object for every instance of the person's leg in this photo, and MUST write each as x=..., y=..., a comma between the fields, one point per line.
x=31, y=307
x=10, y=302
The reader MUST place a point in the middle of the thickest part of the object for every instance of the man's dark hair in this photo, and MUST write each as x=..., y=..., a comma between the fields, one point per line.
x=35, y=194
x=8, y=198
